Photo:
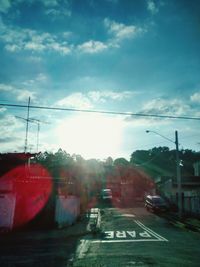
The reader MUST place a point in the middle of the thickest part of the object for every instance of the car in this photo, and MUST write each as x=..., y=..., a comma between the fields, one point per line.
x=156, y=204
x=106, y=194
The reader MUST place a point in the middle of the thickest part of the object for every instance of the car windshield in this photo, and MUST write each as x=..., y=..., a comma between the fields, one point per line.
x=99, y=133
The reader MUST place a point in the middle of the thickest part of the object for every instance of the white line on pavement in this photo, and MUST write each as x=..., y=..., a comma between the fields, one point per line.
x=150, y=231
x=82, y=248
x=126, y=240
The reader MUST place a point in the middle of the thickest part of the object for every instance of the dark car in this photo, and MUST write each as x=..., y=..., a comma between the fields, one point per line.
x=156, y=204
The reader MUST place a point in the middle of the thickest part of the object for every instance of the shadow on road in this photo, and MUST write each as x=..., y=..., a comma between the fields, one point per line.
x=41, y=248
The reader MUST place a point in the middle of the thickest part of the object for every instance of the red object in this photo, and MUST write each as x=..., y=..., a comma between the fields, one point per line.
x=32, y=186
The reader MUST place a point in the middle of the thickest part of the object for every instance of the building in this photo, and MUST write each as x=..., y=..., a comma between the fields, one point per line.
x=190, y=189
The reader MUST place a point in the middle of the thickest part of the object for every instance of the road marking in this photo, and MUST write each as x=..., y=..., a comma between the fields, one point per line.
x=125, y=240
x=125, y=215
x=124, y=236
x=82, y=248
x=132, y=233
x=150, y=231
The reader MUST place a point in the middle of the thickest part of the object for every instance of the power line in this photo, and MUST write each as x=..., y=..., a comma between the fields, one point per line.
x=104, y=112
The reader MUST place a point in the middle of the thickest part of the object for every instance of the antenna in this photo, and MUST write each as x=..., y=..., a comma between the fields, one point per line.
x=27, y=120
x=38, y=128
x=33, y=120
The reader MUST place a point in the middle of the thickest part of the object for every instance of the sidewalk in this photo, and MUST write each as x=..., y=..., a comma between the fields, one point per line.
x=46, y=248
x=86, y=224
x=187, y=222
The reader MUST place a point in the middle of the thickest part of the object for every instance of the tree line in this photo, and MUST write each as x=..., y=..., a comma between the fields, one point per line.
x=158, y=161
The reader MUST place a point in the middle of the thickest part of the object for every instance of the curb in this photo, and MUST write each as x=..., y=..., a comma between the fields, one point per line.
x=94, y=223
x=181, y=224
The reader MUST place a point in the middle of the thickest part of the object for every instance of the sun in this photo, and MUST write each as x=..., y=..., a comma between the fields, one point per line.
x=91, y=135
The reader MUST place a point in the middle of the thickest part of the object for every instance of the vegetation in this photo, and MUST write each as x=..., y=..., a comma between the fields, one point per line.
x=161, y=161
x=153, y=162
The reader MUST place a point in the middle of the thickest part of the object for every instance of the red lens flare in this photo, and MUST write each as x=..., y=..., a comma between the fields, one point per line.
x=24, y=192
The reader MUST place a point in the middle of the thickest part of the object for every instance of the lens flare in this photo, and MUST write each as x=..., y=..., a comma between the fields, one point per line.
x=29, y=187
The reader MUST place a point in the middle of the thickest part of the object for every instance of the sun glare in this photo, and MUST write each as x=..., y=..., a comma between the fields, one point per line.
x=91, y=135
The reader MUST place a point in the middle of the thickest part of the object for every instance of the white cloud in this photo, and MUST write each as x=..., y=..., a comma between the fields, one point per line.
x=12, y=47
x=121, y=31
x=41, y=77
x=118, y=31
x=16, y=39
x=34, y=46
x=164, y=107
x=76, y=100
x=5, y=5
x=92, y=47
x=62, y=48
x=9, y=128
x=58, y=13
x=23, y=95
x=195, y=97
x=87, y=101
x=171, y=107
x=2, y=110
x=20, y=94
x=102, y=96
x=6, y=88
x=151, y=6
x=53, y=8
x=57, y=9
x=51, y=3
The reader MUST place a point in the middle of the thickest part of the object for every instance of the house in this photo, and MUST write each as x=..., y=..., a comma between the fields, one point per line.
x=190, y=189
x=196, y=167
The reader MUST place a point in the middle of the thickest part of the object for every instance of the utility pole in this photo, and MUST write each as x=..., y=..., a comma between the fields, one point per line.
x=178, y=175
x=38, y=130
x=178, y=169
x=27, y=121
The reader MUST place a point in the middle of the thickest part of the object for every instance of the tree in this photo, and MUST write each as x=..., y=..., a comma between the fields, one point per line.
x=121, y=162
x=161, y=161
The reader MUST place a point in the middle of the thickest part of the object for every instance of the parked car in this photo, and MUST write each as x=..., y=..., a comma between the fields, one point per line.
x=106, y=194
x=156, y=204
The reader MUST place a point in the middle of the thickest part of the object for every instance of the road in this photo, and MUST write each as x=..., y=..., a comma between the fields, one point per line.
x=135, y=237
x=129, y=237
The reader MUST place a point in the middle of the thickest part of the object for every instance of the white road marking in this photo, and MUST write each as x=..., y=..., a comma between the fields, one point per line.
x=132, y=233
x=125, y=240
x=150, y=231
x=122, y=235
x=110, y=234
x=82, y=248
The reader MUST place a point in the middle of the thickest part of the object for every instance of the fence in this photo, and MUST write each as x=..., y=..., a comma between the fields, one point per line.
x=190, y=203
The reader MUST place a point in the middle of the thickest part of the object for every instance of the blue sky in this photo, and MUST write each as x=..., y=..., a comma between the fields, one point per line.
x=139, y=56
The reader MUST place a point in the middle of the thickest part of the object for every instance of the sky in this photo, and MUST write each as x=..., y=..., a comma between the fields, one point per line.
x=123, y=56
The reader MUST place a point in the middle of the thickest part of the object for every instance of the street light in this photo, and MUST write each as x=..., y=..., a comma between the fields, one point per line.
x=178, y=170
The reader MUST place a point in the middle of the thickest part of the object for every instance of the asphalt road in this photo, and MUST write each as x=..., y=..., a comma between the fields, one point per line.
x=135, y=237
x=128, y=237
